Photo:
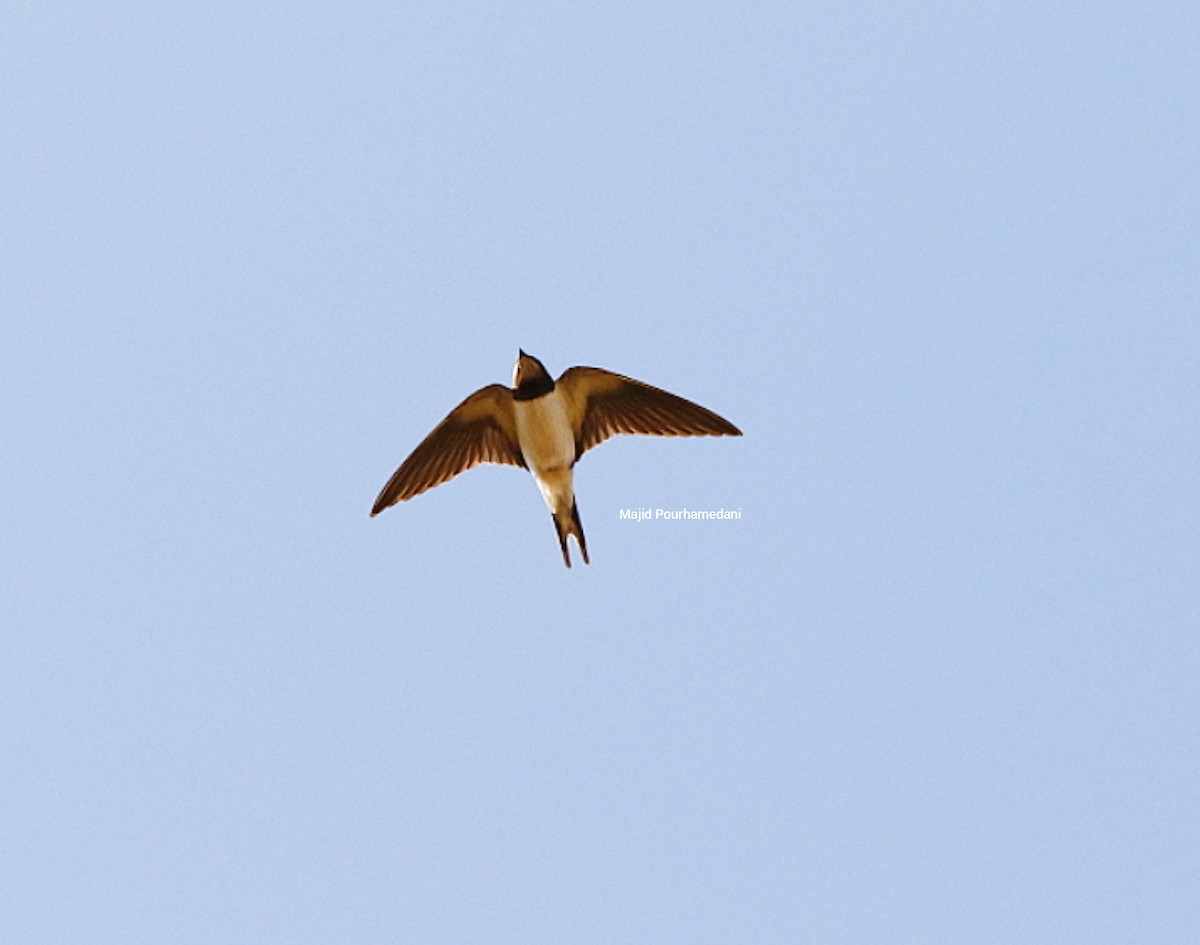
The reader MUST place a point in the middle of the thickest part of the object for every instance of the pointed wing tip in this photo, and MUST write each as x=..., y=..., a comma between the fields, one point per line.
x=721, y=427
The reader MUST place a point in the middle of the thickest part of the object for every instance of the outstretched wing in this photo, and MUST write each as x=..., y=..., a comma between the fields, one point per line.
x=479, y=430
x=603, y=404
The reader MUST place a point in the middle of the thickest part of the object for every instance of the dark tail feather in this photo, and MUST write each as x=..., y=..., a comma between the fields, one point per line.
x=579, y=531
x=562, y=538
x=564, y=529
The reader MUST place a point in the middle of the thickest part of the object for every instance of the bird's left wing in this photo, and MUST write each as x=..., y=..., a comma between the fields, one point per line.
x=602, y=404
x=481, y=429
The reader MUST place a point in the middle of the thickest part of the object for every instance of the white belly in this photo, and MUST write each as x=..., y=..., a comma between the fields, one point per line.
x=544, y=431
x=548, y=445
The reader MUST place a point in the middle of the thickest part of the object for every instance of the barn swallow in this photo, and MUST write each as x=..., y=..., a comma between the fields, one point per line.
x=545, y=426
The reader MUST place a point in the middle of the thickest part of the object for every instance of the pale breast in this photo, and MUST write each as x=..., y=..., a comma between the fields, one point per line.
x=547, y=441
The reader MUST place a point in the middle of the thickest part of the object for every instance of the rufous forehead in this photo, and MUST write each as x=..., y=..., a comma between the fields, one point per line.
x=525, y=366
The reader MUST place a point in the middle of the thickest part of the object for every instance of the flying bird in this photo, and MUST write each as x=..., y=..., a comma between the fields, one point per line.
x=545, y=426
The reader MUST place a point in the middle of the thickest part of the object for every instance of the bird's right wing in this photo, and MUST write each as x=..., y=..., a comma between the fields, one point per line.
x=603, y=404
x=481, y=429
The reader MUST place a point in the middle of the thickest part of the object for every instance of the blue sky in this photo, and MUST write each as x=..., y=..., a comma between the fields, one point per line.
x=939, y=263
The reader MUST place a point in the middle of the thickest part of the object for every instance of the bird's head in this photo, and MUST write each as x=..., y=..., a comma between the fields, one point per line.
x=529, y=372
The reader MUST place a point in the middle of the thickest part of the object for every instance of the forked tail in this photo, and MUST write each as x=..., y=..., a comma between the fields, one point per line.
x=566, y=526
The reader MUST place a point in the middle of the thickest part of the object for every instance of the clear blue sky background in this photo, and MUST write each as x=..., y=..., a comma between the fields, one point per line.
x=938, y=261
